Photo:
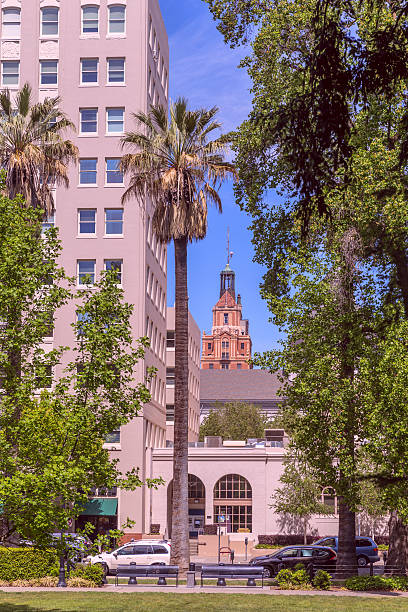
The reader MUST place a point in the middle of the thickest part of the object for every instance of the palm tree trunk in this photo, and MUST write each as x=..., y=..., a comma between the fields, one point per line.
x=180, y=548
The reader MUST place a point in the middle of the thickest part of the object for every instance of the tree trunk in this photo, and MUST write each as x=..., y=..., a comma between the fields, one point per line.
x=305, y=524
x=180, y=547
x=397, y=559
x=397, y=554
x=346, y=554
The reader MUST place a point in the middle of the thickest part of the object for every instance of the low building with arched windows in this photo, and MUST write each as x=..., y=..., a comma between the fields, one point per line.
x=231, y=484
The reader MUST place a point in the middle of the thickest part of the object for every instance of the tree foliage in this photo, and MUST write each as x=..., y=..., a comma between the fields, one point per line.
x=235, y=421
x=58, y=406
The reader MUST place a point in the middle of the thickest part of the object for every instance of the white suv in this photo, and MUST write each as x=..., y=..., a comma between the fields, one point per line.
x=141, y=552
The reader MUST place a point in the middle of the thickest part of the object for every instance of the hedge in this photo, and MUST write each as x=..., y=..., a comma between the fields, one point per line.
x=284, y=540
x=26, y=563
x=377, y=583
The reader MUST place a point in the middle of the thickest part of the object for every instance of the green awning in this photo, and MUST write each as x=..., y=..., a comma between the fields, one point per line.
x=101, y=507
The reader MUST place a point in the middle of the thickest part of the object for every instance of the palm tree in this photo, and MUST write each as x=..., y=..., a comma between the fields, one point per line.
x=32, y=149
x=180, y=171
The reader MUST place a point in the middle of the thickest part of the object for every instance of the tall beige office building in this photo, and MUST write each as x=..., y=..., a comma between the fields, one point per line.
x=106, y=59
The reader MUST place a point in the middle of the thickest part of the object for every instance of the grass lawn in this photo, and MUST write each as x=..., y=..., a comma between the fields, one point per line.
x=201, y=602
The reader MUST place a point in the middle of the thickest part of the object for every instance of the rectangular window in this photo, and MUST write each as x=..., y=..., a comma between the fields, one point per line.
x=113, y=175
x=170, y=377
x=211, y=366
x=170, y=339
x=225, y=366
x=49, y=21
x=43, y=377
x=10, y=73
x=115, y=120
x=242, y=346
x=225, y=318
x=115, y=265
x=225, y=344
x=113, y=437
x=87, y=171
x=114, y=222
x=89, y=120
x=116, y=70
x=11, y=23
x=239, y=366
x=48, y=223
x=90, y=19
x=86, y=272
x=89, y=71
x=225, y=356
x=87, y=222
x=209, y=346
x=170, y=413
x=48, y=72
x=117, y=19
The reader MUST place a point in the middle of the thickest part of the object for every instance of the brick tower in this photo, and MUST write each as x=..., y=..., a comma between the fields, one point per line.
x=229, y=345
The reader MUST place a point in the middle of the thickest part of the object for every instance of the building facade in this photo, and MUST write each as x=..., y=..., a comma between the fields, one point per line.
x=229, y=345
x=105, y=59
x=237, y=481
x=193, y=377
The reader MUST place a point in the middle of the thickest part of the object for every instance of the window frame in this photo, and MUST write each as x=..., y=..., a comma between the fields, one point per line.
x=117, y=34
x=113, y=172
x=42, y=12
x=114, y=108
x=86, y=234
x=10, y=9
x=79, y=284
x=120, y=272
x=108, y=71
x=106, y=235
x=10, y=85
x=80, y=184
x=49, y=61
x=90, y=34
x=81, y=71
x=81, y=110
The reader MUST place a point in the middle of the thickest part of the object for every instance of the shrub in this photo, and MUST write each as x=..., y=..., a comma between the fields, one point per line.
x=322, y=580
x=284, y=540
x=47, y=581
x=4, y=583
x=298, y=579
x=210, y=529
x=26, y=563
x=20, y=583
x=80, y=582
x=154, y=528
x=369, y=583
x=265, y=546
x=92, y=573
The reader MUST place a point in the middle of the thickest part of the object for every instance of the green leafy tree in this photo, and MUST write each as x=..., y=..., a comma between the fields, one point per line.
x=52, y=429
x=300, y=496
x=235, y=421
x=180, y=170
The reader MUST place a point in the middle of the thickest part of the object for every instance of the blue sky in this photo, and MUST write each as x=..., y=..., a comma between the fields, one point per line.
x=204, y=70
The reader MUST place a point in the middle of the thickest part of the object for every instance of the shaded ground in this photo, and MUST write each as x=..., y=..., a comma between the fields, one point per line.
x=197, y=602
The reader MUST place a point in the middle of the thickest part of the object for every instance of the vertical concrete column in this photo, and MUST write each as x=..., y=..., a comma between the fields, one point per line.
x=209, y=503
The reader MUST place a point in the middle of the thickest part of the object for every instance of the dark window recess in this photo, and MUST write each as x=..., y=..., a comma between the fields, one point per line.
x=170, y=339
x=159, y=550
x=225, y=356
x=225, y=366
x=209, y=346
x=170, y=413
x=225, y=318
x=211, y=366
x=239, y=366
x=142, y=550
x=242, y=346
x=170, y=377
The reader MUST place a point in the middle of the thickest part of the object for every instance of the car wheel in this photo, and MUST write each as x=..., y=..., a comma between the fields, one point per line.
x=267, y=573
x=362, y=561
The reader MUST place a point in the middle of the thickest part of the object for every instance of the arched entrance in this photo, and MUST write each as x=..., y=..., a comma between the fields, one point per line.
x=233, y=500
x=196, y=506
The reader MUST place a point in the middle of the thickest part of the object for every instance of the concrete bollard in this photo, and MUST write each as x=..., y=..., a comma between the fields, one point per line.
x=191, y=580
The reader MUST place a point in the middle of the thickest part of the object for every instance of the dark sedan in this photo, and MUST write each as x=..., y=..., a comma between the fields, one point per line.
x=310, y=556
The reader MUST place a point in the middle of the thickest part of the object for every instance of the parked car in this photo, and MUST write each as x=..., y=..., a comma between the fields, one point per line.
x=141, y=552
x=366, y=549
x=290, y=556
x=77, y=543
